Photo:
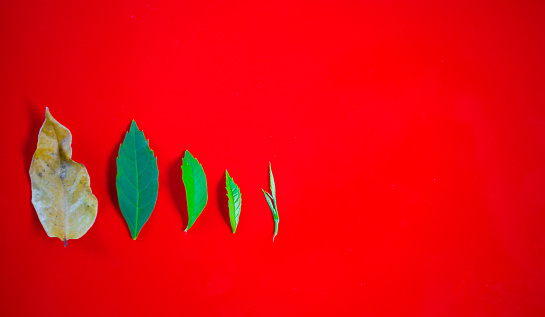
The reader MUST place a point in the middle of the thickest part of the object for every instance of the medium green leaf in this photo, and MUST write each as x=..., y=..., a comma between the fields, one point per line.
x=271, y=200
x=137, y=179
x=195, y=187
x=235, y=200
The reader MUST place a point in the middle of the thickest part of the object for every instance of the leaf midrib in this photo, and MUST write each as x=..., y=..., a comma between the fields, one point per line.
x=194, y=166
x=65, y=209
x=137, y=186
x=232, y=207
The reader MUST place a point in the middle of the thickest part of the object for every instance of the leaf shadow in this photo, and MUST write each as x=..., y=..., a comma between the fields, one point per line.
x=111, y=175
x=223, y=201
x=177, y=189
x=36, y=120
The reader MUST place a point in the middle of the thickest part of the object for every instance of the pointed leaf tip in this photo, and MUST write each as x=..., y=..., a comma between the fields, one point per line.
x=134, y=126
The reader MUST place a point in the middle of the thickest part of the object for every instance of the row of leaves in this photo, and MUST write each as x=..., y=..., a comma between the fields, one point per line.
x=67, y=208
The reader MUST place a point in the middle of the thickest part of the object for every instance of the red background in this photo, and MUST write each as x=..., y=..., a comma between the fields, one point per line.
x=406, y=137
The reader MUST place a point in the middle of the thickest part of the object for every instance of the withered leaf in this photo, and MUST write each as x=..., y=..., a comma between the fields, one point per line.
x=61, y=191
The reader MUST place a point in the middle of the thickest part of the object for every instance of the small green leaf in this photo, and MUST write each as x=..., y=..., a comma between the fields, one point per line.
x=195, y=187
x=235, y=200
x=271, y=200
x=273, y=186
x=137, y=179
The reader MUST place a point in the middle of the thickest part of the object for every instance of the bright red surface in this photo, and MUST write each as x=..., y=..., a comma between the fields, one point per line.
x=407, y=141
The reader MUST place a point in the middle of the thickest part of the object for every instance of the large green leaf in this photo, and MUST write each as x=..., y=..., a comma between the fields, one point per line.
x=271, y=201
x=195, y=187
x=137, y=179
x=235, y=200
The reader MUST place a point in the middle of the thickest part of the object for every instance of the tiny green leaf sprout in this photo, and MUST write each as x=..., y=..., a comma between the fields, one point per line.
x=271, y=200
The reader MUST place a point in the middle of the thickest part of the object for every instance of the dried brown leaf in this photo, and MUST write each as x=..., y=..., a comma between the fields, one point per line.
x=61, y=191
